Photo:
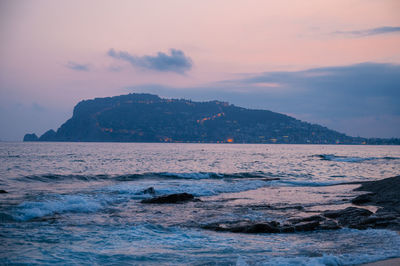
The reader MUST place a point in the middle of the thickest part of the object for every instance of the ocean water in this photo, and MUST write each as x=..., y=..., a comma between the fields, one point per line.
x=79, y=203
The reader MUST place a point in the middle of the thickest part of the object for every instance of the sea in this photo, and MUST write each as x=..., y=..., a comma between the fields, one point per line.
x=80, y=203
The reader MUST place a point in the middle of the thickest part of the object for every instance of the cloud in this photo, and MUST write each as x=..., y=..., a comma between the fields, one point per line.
x=368, y=88
x=369, y=32
x=77, y=67
x=176, y=61
x=360, y=99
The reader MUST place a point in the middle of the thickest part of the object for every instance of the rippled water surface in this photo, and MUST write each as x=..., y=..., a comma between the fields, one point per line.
x=79, y=203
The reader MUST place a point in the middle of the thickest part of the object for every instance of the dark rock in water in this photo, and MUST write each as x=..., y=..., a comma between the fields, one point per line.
x=350, y=217
x=329, y=225
x=270, y=227
x=361, y=219
x=385, y=193
x=287, y=228
x=250, y=227
x=31, y=137
x=306, y=226
x=314, y=218
x=382, y=219
x=3, y=191
x=270, y=179
x=245, y=227
x=347, y=213
x=172, y=198
x=365, y=198
x=311, y=223
x=149, y=190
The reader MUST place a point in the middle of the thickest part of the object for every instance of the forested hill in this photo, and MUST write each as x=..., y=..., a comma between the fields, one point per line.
x=149, y=118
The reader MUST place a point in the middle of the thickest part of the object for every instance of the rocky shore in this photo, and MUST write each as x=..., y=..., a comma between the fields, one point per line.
x=384, y=194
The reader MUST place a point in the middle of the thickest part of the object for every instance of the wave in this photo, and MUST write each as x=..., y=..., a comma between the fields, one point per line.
x=325, y=259
x=102, y=198
x=157, y=175
x=306, y=184
x=251, y=180
x=207, y=175
x=350, y=159
x=361, y=250
x=57, y=177
x=301, y=260
x=195, y=187
x=60, y=204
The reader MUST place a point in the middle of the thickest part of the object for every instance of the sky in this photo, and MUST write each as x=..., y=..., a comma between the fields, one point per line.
x=335, y=63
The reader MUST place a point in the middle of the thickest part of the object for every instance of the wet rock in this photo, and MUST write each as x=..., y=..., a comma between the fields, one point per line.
x=385, y=193
x=245, y=227
x=270, y=179
x=306, y=226
x=2, y=191
x=314, y=218
x=350, y=217
x=329, y=225
x=287, y=228
x=172, y=198
x=381, y=220
x=362, y=219
x=270, y=227
x=362, y=199
x=348, y=212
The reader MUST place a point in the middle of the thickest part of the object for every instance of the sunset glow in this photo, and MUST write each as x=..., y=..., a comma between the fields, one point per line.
x=56, y=53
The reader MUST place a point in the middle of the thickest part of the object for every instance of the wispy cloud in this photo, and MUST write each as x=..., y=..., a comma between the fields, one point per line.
x=77, y=67
x=176, y=61
x=369, y=32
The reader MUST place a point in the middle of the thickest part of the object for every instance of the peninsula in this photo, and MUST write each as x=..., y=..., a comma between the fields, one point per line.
x=149, y=118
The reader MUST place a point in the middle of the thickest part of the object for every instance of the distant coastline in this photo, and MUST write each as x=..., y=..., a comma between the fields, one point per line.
x=149, y=118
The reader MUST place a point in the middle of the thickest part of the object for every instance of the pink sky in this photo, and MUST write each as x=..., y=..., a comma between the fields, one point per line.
x=224, y=39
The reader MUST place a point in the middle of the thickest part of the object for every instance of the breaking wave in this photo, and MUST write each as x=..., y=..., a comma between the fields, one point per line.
x=60, y=204
x=199, y=189
x=159, y=175
x=350, y=159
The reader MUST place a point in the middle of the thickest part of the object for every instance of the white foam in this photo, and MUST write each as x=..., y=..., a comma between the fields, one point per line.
x=198, y=175
x=348, y=159
x=63, y=203
x=305, y=183
x=330, y=260
x=306, y=261
x=195, y=187
x=241, y=261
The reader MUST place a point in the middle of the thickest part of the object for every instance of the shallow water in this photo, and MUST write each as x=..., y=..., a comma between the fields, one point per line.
x=79, y=203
